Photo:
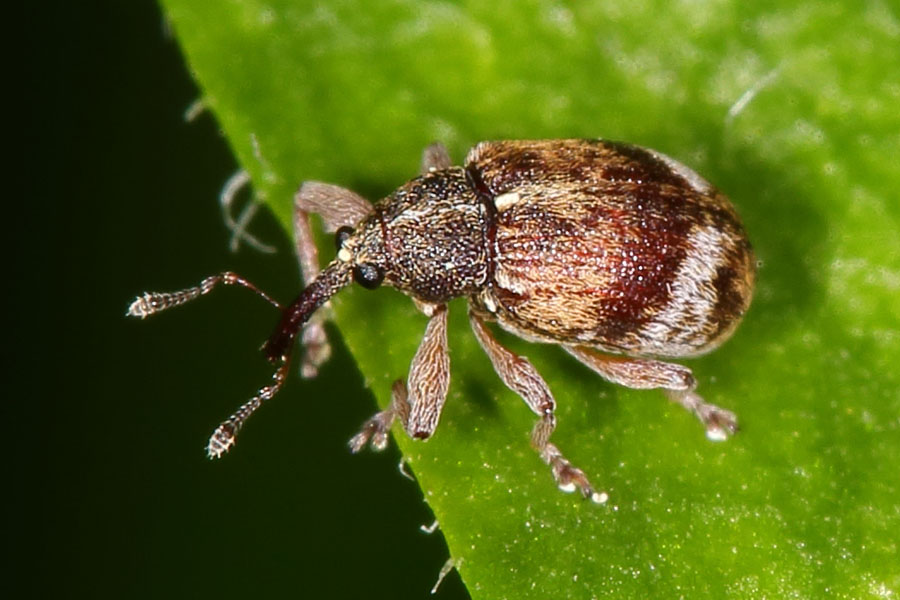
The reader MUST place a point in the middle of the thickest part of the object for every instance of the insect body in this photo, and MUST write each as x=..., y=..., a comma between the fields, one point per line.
x=619, y=254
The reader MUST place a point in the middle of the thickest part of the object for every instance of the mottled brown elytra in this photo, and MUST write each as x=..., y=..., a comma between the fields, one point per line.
x=619, y=254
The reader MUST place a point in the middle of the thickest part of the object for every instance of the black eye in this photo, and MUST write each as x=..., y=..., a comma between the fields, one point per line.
x=341, y=235
x=368, y=275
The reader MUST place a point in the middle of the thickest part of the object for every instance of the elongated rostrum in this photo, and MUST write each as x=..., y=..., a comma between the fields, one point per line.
x=619, y=254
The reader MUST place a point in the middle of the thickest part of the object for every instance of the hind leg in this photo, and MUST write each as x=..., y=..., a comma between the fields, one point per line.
x=521, y=377
x=676, y=381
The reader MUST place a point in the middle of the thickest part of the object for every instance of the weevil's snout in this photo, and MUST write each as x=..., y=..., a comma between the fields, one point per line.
x=336, y=275
x=354, y=261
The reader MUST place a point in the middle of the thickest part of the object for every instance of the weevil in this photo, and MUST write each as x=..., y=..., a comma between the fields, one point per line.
x=619, y=254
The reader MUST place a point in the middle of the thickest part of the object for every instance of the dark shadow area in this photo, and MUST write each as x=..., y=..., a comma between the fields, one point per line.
x=788, y=235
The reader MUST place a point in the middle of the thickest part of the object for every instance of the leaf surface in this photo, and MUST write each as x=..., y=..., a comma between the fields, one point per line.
x=791, y=109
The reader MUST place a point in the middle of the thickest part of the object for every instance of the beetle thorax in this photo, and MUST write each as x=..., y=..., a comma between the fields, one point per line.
x=434, y=238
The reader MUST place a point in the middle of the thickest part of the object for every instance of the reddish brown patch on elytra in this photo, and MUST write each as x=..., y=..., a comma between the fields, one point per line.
x=633, y=164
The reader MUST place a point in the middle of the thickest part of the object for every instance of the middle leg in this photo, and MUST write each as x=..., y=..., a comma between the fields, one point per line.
x=521, y=377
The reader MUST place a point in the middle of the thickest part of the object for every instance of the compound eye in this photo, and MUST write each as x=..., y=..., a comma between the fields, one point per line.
x=368, y=275
x=341, y=236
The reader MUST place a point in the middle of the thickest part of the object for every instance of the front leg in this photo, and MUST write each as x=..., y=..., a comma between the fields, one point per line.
x=418, y=405
x=676, y=381
x=338, y=207
x=375, y=430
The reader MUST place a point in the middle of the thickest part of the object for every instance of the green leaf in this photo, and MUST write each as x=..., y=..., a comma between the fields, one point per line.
x=790, y=108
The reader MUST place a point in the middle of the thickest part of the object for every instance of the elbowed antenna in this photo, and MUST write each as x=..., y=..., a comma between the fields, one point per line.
x=278, y=350
x=150, y=303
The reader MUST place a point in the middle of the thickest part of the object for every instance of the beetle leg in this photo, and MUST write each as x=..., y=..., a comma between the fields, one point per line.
x=419, y=405
x=376, y=429
x=338, y=207
x=676, y=381
x=434, y=158
x=316, y=349
x=521, y=377
x=429, y=377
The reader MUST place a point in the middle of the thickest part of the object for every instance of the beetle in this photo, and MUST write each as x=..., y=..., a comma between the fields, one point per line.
x=621, y=255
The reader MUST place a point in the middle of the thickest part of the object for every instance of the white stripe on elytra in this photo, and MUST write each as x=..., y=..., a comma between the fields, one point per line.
x=692, y=295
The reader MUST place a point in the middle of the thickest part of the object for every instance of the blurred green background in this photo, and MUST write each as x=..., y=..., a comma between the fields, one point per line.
x=112, y=494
